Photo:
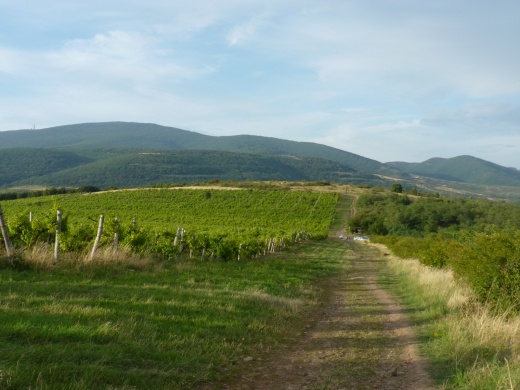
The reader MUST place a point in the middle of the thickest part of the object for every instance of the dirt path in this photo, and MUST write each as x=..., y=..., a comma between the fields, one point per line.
x=360, y=339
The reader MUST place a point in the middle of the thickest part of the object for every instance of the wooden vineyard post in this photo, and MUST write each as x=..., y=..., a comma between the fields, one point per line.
x=98, y=236
x=192, y=240
x=57, y=241
x=5, y=234
x=116, y=235
x=176, y=240
x=181, y=247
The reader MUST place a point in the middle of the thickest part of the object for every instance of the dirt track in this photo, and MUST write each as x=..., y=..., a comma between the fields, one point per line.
x=359, y=339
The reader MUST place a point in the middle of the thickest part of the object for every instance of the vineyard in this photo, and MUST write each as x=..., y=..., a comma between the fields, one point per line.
x=168, y=223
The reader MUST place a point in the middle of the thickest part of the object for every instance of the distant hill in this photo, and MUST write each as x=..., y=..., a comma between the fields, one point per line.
x=465, y=169
x=185, y=166
x=23, y=163
x=91, y=138
x=127, y=154
x=105, y=135
x=281, y=147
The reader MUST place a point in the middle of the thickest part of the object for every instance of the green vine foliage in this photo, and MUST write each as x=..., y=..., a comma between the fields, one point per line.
x=219, y=224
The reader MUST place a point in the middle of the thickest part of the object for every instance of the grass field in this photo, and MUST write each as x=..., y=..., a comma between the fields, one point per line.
x=169, y=325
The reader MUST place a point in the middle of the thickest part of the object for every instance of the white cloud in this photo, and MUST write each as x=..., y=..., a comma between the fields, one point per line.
x=405, y=50
x=121, y=55
x=504, y=116
x=389, y=80
x=245, y=32
x=9, y=61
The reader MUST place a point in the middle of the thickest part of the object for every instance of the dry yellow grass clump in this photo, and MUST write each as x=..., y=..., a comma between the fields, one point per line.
x=484, y=342
x=41, y=256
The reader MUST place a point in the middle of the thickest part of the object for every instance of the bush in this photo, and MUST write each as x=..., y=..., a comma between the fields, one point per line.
x=490, y=263
x=437, y=250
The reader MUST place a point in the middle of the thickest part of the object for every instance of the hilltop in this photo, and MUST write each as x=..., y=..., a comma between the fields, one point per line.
x=127, y=154
x=465, y=169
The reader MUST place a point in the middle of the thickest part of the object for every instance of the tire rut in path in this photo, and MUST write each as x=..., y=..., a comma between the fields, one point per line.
x=359, y=339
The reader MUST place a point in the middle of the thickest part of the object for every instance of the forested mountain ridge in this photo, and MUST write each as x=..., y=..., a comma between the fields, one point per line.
x=126, y=154
x=184, y=166
x=466, y=169
x=105, y=135
x=147, y=136
x=23, y=163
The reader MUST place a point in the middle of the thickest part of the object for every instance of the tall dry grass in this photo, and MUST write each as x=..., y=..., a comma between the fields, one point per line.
x=483, y=342
x=41, y=256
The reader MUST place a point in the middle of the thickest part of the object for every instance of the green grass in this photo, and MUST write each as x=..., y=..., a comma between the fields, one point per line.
x=173, y=325
x=341, y=214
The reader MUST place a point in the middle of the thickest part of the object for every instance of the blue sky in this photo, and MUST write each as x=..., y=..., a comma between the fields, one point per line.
x=392, y=80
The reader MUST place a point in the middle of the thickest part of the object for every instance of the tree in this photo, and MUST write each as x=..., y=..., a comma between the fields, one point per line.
x=397, y=187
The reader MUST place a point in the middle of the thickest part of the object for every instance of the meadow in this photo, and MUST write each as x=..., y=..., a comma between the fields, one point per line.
x=139, y=319
x=153, y=325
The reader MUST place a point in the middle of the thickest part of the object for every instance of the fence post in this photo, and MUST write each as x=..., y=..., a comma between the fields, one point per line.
x=176, y=240
x=116, y=235
x=5, y=234
x=181, y=247
x=57, y=241
x=98, y=236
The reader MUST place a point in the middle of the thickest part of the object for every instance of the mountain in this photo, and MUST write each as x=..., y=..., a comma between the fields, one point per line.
x=125, y=154
x=280, y=147
x=184, y=166
x=464, y=169
x=96, y=140
x=105, y=135
x=23, y=163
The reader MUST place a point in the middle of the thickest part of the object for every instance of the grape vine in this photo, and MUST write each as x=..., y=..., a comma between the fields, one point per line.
x=205, y=223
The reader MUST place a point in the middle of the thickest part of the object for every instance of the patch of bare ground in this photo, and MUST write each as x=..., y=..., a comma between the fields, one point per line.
x=360, y=338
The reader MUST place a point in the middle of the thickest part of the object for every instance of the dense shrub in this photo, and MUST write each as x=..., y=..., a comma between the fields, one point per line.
x=491, y=265
x=488, y=262
x=479, y=240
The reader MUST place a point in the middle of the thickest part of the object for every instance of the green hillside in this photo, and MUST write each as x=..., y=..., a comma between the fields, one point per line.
x=281, y=147
x=118, y=154
x=104, y=135
x=148, y=168
x=89, y=138
x=22, y=163
x=466, y=169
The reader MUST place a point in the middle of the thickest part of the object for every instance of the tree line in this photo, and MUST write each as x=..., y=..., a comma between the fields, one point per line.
x=478, y=239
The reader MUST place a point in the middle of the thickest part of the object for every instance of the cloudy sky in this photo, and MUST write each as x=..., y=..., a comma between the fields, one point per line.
x=390, y=80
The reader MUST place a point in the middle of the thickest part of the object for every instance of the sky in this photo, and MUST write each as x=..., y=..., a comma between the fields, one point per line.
x=391, y=80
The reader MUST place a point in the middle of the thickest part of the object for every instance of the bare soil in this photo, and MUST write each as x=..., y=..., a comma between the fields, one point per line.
x=360, y=338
